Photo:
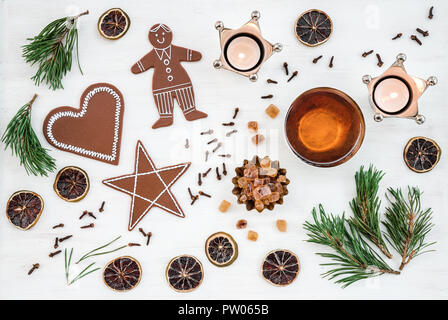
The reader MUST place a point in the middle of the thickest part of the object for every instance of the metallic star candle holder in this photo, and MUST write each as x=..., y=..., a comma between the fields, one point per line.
x=389, y=96
x=250, y=32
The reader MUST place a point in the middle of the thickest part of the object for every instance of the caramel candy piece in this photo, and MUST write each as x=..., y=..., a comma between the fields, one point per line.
x=281, y=225
x=252, y=126
x=241, y=224
x=224, y=206
x=272, y=111
x=252, y=235
x=257, y=139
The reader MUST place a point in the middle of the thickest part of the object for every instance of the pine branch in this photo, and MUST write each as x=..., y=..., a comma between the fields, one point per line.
x=407, y=224
x=366, y=205
x=52, y=50
x=354, y=260
x=21, y=138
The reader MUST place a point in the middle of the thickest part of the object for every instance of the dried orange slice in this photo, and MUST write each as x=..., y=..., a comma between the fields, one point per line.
x=184, y=273
x=113, y=24
x=71, y=184
x=313, y=27
x=421, y=154
x=122, y=274
x=24, y=209
x=280, y=267
x=221, y=249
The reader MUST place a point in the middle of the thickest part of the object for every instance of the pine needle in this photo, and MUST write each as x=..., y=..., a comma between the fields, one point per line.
x=407, y=224
x=52, y=50
x=366, y=206
x=92, y=252
x=82, y=274
x=21, y=138
x=352, y=257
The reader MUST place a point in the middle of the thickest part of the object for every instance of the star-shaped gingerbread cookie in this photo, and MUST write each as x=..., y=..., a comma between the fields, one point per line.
x=149, y=186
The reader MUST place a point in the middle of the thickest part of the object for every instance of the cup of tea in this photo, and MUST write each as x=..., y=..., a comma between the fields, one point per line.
x=324, y=127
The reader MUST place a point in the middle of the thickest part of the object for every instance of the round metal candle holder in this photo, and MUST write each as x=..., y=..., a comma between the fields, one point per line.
x=416, y=87
x=251, y=30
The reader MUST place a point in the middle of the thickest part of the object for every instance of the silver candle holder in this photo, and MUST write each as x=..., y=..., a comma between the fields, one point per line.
x=395, y=93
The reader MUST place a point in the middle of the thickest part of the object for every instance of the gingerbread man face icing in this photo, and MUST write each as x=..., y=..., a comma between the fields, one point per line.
x=170, y=81
x=160, y=36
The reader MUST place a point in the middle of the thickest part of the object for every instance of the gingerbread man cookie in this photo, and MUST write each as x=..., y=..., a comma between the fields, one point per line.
x=170, y=80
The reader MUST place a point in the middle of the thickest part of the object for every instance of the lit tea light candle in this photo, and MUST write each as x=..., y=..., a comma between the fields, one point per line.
x=391, y=95
x=243, y=53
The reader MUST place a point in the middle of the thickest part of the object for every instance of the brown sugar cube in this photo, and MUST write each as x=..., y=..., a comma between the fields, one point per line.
x=241, y=224
x=272, y=111
x=281, y=225
x=257, y=139
x=252, y=126
x=224, y=206
x=252, y=235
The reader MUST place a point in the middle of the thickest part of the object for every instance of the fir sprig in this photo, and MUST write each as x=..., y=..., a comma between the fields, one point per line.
x=21, y=138
x=366, y=206
x=407, y=224
x=52, y=50
x=354, y=260
x=82, y=274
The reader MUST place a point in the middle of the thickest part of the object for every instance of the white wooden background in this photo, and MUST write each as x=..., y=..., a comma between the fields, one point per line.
x=358, y=26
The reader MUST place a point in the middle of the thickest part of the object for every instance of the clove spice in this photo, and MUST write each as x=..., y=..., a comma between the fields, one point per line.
x=294, y=74
x=133, y=244
x=91, y=225
x=217, y=147
x=51, y=255
x=271, y=81
x=187, y=144
x=149, y=235
x=101, y=209
x=61, y=225
x=199, y=179
x=269, y=96
x=423, y=33
x=206, y=172
x=83, y=214
x=224, y=155
x=206, y=155
x=365, y=54
x=141, y=229
x=194, y=200
x=380, y=62
x=331, y=62
x=209, y=131
x=317, y=59
x=218, y=176
x=91, y=215
x=431, y=15
x=235, y=113
x=224, y=170
x=34, y=267
x=228, y=124
x=228, y=134
x=212, y=141
x=56, y=243
x=285, y=66
x=397, y=36
x=191, y=197
x=204, y=194
x=414, y=37
x=65, y=238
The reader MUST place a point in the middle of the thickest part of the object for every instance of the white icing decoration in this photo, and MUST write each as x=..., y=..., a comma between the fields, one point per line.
x=94, y=154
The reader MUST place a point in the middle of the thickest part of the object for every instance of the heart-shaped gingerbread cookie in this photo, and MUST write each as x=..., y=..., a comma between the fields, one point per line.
x=93, y=130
